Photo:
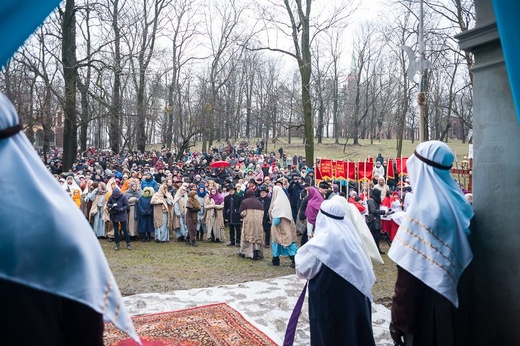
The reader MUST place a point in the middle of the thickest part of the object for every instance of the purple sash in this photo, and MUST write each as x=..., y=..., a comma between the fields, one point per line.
x=293, y=321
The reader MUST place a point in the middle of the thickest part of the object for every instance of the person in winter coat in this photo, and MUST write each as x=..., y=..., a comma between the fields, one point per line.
x=192, y=209
x=374, y=216
x=149, y=181
x=145, y=214
x=232, y=216
x=118, y=208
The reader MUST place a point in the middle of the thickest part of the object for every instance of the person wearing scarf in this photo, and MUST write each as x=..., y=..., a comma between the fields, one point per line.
x=431, y=251
x=97, y=210
x=283, y=229
x=311, y=211
x=214, y=205
x=73, y=190
x=201, y=222
x=192, y=209
x=55, y=281
x=179, y=213
x=252, y=213
x=162, y=202
x=145, y=214
x=132, y=194
x=340, y=280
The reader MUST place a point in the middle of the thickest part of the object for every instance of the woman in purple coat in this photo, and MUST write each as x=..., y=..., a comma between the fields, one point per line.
x=118, y=207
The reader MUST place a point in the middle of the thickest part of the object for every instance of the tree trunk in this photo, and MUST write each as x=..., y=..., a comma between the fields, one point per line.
x=68, y=53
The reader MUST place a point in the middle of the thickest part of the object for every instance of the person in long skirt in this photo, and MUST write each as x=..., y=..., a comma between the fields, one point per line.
x=252, y=213
x=179, y=214
x=283, y=229
x=162, y=214
x=145, y=214
x=201, y=224
x=133, y=194
x=97, y=210
x=214, y=205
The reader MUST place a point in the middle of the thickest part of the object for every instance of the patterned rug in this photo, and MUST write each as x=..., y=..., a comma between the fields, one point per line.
x=215, y=324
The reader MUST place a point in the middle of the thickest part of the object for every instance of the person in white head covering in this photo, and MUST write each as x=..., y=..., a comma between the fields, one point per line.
x=368, y=244
x=340, y=280
x=55, y=283
x=432, y=251
x=283, y=229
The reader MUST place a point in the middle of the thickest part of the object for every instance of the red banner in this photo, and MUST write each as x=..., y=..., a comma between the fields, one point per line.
x=365, y=170
x=390, y=174
x=401, y=166
x=340, y=169
x=325, y=168
x=351, y=171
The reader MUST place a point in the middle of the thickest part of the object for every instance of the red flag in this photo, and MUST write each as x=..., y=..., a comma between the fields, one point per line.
x=326, y=169
x=401, y=166
x=390, y=169
x=351, y=171
x=365, y=170
x=317, y=173
x=341, y=170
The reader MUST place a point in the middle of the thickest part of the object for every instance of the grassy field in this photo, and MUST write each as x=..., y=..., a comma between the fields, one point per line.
x=152, y=267
x=328, y=149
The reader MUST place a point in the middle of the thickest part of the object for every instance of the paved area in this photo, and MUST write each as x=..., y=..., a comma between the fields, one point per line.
x=267, y=304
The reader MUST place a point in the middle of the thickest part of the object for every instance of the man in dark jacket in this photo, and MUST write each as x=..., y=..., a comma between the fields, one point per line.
x=232, y=217
x=118, y=207
x=295, y=189
x=266, y=221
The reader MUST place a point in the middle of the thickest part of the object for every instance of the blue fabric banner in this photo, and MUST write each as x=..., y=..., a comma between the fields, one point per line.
x=18, y=20
x=507, y=13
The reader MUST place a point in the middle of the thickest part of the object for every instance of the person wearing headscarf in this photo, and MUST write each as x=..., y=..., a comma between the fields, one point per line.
x=340, y=280
x=133, y=194
x=145, y=214
x=201, y=222
x=162, y=202
x=118, y=207
x=192, y=209
x=283, y=229
x=431, y=251
x=73, y=190
x=368, y=243
x=179, y=213
x=110, y=185
x=311, y=210
x=374, y=216
x=97, y=210
x=55, y=281
x=252, y=213
x=214, y=205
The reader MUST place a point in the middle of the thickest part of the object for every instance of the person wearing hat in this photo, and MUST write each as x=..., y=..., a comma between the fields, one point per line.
x=252, y=240
x=231, y=215
x=265, y=200
x=294, y=191
x=149, y=181
x=325, y=189
x=432, y=253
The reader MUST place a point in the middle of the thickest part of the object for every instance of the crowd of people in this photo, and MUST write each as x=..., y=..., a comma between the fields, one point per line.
x=213, y=197
x=252, y=201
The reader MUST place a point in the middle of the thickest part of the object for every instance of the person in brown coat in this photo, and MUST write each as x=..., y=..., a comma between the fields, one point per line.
x=192, y=209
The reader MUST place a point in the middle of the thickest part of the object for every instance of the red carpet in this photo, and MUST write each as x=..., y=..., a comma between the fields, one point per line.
x=215, y=324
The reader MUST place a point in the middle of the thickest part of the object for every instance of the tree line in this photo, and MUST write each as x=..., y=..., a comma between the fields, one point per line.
x=123, y=74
